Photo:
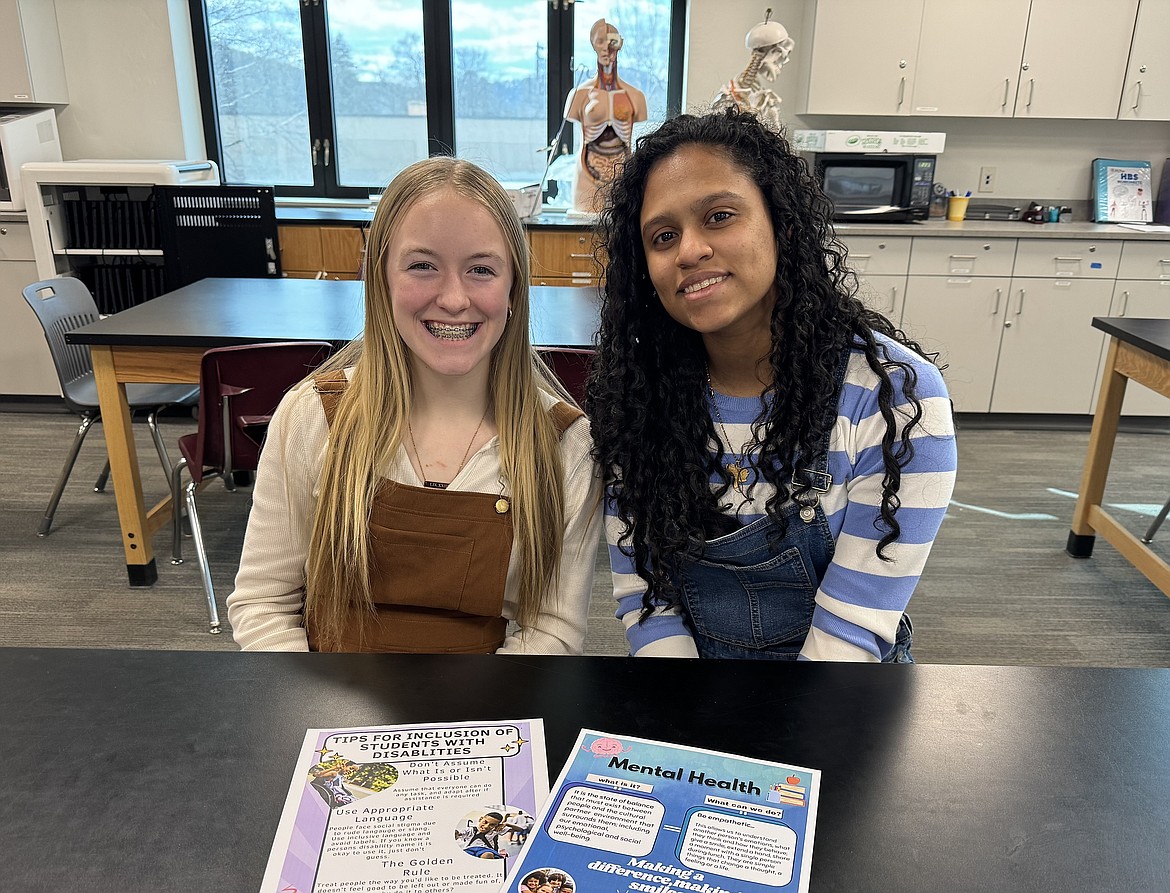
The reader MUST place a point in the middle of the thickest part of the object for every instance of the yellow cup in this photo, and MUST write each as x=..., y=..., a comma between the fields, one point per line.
x=957, y=207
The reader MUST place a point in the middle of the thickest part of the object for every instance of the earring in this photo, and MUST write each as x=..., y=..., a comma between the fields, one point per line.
x=509, y=313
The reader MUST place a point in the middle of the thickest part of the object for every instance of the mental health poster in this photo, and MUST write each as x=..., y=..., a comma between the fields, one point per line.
x=629, y=815
x=409, y=809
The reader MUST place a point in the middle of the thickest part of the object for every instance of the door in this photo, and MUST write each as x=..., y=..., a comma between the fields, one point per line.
x=960, y=317
x=1050, y=352
x=863, y=57
x=972, y=70
x=1142, y=299
x=1146, y=96
x=1074, y=58
x=885, y=294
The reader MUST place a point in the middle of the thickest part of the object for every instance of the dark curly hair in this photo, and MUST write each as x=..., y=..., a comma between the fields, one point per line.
x=647, y=395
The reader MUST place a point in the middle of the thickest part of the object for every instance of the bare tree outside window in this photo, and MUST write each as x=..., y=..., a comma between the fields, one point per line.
x=377, y=83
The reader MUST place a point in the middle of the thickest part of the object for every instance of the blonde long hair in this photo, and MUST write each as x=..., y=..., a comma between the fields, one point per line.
x=371, y=418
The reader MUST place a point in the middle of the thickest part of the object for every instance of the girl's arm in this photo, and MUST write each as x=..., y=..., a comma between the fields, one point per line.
x=560, y=626
x=664, y=634
x=862, y=598
x=265, y=608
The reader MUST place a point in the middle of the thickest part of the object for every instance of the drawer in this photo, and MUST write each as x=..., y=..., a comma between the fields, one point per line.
x=1145, y=260
x=1067, y=258
x=15, y=241
x=878, y=255
x=563, y=253
x=962, y=257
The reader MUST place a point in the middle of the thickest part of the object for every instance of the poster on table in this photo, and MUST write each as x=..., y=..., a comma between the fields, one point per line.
x=629, y=815
x=409, y=809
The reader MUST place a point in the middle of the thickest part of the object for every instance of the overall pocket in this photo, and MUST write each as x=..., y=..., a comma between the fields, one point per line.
x=758, y=605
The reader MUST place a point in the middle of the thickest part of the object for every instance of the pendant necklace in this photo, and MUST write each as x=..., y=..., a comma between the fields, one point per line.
x=439, y=485
x=739, y=473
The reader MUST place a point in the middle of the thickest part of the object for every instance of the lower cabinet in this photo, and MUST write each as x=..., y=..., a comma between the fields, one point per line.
x=962, y=319
x=1050, y=352
x=1142, y=299
x=26, y=367
x=321, y=252
x=885, y=294
x=563, y=256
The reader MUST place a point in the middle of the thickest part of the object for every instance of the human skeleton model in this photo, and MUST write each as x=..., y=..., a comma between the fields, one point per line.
x=749, y=91
x=607, y=108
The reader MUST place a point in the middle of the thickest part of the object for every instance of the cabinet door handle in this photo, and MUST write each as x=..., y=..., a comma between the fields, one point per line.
x=590, y=256
x=1007, y=82
x=962, y=257
x=1031, y=92
x=1124, y=302
x=1138, y=99
x=998, y=295
x=1075, y=260
x=901, y=91
x=1021, y=308
x=893, y=297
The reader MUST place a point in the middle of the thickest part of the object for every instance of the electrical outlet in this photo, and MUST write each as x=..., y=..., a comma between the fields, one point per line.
x=987, y=179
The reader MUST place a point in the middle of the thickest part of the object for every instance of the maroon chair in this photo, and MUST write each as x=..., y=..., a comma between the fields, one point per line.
x=240, y=388
x=571, y=365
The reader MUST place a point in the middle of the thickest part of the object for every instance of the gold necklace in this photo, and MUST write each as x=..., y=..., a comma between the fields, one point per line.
x=439, y=485
x=739, y=473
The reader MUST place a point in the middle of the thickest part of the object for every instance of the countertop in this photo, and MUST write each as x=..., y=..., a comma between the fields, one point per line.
x=979, y=229
x=1007, y=229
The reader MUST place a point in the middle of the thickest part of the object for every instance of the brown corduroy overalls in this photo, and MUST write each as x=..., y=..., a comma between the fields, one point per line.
x=438, y=562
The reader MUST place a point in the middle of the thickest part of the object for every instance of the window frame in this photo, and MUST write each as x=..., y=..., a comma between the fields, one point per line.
x=440, y=89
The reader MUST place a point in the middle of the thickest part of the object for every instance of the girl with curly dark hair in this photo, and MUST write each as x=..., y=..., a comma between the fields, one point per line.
x=778, y=458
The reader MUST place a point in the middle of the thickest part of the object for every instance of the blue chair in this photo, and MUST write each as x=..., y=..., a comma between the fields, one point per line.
x=65, y=304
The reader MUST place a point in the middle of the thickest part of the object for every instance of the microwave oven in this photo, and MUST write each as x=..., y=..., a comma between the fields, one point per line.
x=876, y=187
x=25, y=137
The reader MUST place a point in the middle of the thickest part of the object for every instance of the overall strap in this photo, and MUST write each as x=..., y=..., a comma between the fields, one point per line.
x=814, y=470
x=330, y=387
x=563, y=415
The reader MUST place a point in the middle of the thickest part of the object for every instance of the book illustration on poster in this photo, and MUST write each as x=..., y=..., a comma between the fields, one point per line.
x=1122, y=191
x=631, y=815
x=408, y=809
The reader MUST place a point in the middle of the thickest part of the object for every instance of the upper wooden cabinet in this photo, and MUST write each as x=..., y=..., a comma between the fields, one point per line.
x=985, y=58
x=31, y=67
x=1146, y=94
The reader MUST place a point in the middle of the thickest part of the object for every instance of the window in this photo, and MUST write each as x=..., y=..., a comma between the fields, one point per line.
x=333, y=97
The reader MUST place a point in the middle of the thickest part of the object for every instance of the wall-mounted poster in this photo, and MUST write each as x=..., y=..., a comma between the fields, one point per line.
x=1122, y=191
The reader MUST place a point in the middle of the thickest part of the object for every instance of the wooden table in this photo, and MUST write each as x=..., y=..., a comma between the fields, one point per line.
x=1139, y=350
x=154, y=770
x=163, y=341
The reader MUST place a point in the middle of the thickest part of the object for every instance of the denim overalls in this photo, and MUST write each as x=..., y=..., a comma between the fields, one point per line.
x=746, y=597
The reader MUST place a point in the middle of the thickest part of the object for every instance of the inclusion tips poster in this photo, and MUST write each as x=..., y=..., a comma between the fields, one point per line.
x=409, y=809
x=629, y=815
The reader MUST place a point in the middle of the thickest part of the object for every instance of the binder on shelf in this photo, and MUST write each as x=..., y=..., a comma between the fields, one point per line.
x=1162, y=205
x=1122, y=191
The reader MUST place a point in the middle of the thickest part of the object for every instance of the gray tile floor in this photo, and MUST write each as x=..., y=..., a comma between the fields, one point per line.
x=998, y=589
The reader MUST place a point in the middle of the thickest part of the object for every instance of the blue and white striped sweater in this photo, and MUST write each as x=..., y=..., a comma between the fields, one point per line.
x=861, y=598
